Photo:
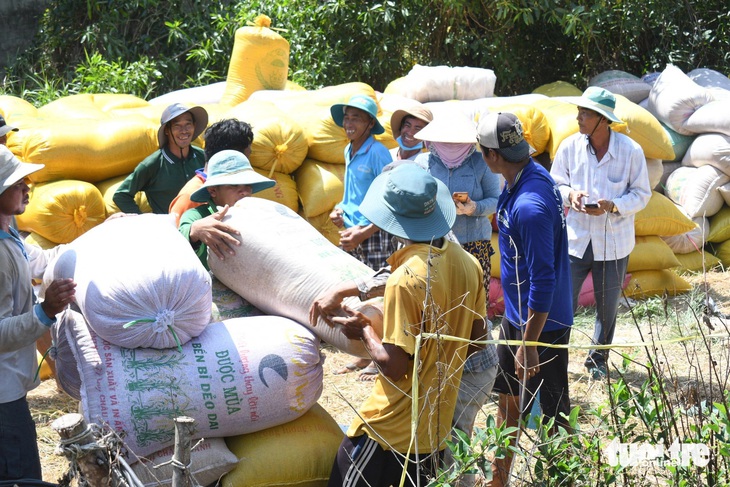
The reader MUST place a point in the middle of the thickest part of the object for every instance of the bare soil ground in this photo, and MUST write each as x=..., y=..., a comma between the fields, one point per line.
x=343, y=393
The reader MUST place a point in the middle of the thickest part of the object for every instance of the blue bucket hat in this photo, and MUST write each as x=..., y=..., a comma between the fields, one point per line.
x=410, y=203
x=230, y=167
x=364, y=103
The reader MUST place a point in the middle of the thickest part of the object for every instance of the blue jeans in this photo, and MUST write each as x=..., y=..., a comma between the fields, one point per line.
x=608, y=278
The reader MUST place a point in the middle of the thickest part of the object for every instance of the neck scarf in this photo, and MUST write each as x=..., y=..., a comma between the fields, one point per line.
x=452, y=155
x=418, y=146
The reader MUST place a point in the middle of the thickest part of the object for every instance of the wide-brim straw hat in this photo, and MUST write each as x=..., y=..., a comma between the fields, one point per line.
x=455, y=128
x=418, y=111
x=13, y=170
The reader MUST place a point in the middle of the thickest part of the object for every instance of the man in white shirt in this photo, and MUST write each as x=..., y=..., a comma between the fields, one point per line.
x=604, y=182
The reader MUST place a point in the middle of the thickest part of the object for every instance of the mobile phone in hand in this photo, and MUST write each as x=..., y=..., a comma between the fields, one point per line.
x=461, y=196
x=593, y=206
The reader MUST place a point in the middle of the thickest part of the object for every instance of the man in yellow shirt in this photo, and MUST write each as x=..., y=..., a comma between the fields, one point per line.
x=435, y=287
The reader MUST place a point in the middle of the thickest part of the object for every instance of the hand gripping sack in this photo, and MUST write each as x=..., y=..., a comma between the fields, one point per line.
x=139, y=283
x=283, y=264
x=239, y=376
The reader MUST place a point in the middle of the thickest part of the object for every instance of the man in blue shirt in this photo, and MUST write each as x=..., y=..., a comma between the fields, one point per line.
x=365, y=159
x=535, y=268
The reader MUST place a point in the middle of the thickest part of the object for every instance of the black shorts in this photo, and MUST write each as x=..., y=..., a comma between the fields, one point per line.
x=19, y=458
x=362, y=462
x=551, y=381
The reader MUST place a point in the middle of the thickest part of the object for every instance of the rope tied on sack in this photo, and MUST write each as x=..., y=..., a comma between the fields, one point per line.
x=163, y=322
x=80, y=216
x=279, y=153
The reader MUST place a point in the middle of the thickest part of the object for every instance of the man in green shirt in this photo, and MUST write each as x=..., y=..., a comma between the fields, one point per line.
x=230, y=178
x=165, y=172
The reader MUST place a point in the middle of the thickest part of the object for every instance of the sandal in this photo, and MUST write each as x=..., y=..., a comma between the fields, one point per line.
x=369, y=373
x=351, y=367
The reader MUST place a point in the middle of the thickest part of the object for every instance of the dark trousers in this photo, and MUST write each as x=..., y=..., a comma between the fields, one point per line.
x=19, y=458
x=608, y=278
x=362, y=462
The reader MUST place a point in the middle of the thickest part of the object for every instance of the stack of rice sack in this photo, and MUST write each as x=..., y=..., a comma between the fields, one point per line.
x=89, y=143
x=319, y=177
x=697, y=106
x=144, y=351
x=441, y=83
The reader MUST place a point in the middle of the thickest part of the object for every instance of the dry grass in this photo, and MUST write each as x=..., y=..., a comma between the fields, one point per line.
x=342, y=393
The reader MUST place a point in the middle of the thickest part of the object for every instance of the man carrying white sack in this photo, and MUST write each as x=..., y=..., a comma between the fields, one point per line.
x=604, y=182
x=417, y=209
x=22, y=322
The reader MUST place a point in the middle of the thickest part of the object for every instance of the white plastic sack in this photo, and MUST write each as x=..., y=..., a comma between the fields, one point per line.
x=239, y=376
x=441, y=83
x=692, y=241
x=137, y=272
x=712, y=117
x=674, y=98
x=696, y=189
x=655, y=168
x=283, y=264
x=709, y=78
x=622, y=83
x=709, y=149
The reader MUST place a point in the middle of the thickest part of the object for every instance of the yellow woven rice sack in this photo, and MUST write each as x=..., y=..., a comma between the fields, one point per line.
x=89, y=150
x=697, y=261
x=311, y=109
x=661, y=217
x=62, y=210
x=284, y=191
x=45, y=372
x=722, y=251
x=310, y=443
x=560, y=117
x=558, y=88
x=109, y=186
x=279, y=143
x=643, y=127
x=90, y=105
x=42, y=242
x=259, y=61
x=397, y=86
x=320, y=186
x=651, y=252
x=534, y=123
x=720, y=226
x=645, y=284
x=324, y=225
x=12, y=107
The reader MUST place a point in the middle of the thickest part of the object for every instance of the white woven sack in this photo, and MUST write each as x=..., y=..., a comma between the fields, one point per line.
x=712, y=117
x=138, y=271
x=68, y=377
x=209, y=461
x=709, y=78
x=696, y=189
x=441, y=83
x=674, y=98
x=709, y=149
x=692, y=241
x=283, y=264
x=239, y=376
x=622, y=83
x=655, y=168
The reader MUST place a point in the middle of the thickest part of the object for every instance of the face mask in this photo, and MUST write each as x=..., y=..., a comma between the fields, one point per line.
x=452, y=155
x=418, y=146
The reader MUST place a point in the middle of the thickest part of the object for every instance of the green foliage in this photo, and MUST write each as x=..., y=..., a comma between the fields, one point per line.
x=97, y=75
x=188, y=42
